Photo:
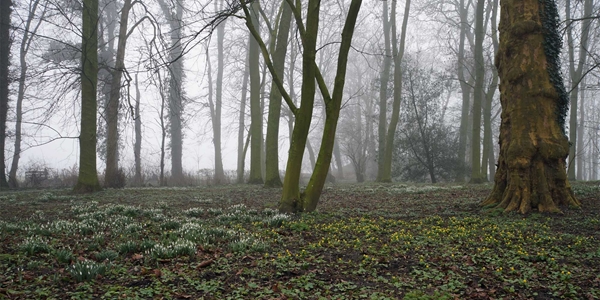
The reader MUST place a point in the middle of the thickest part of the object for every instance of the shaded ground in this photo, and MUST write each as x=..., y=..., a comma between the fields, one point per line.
x=369, y=241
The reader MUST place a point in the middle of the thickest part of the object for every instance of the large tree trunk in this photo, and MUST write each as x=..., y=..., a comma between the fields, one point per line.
x=112, y=113
x=5, y=10
x=533, y=145
x=272, y=178
x=386, y=175
x=87, y=181
x=385, y=78
x=256, y=122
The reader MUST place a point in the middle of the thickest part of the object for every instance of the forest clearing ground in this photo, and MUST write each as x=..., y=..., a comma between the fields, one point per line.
x=369, y=241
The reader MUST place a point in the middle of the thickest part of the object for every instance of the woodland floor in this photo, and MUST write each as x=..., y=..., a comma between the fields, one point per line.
x=371, y=241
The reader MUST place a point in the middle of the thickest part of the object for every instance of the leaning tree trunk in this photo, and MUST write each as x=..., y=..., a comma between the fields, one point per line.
x=333, y=105
x=272, y=178
x=87, y=181
x=533, y=146
x=256, y=123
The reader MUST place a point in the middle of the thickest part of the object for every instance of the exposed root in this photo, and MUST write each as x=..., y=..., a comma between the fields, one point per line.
x=537, y=187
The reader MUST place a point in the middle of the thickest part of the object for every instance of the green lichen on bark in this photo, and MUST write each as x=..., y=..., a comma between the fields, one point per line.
x=552, y=47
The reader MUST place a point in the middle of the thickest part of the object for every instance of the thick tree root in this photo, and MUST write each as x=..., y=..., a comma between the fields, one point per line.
x=540, y=187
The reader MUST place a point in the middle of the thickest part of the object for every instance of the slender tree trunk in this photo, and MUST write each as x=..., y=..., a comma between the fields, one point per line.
x=291, y=200
x=337, y=155
x=255, y=107
x=332, y=112
x=163, y=129
x=595, y=150
x=581, y=134
x=398, y=50
x=106, y=65
x=311, y=155
x=87, y=181
x=533, y=146
x=575, y=74
x=241, y=125
x=491, y=155
x=174, y=17
x=290, y=197
x=466, y=93
x=28, y=32
x=385, y=78
x=272, y=178
x=137, y=147
x=219, y=172
x=112, y=113
x=488, y=143
x=478, y=93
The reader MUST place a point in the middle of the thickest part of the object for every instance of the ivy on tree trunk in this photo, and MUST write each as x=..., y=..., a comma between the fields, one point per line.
x=533, y=146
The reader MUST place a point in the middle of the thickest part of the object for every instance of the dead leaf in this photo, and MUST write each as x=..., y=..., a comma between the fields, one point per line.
x=205, y=263
x=137, y=256
x=157, y=272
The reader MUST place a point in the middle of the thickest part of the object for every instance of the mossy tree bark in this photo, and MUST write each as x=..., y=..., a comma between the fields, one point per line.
x=87, y=181
x=291, y=199
x=478, y=95
x=272, y=178
x=256, y=120
x=533, y=146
